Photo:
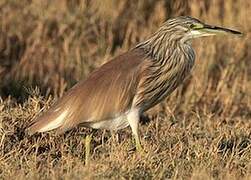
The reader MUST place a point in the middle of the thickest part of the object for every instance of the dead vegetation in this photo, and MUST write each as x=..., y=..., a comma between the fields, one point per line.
x=202, y=131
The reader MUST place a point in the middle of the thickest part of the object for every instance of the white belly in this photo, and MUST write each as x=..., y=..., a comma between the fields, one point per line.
x=117, y=123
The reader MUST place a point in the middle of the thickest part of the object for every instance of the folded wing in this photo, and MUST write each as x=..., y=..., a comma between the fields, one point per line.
x=105, y=94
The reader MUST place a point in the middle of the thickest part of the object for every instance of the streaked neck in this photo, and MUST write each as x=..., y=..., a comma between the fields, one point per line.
x=161, y=45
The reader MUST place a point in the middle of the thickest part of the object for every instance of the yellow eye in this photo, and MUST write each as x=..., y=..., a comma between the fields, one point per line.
x=196, y=26
x=192, y=26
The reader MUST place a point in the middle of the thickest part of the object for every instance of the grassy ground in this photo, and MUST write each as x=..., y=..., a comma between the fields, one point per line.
x=202, y=131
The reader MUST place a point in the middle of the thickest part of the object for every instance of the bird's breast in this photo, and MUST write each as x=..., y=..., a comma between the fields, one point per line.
x=161, y=81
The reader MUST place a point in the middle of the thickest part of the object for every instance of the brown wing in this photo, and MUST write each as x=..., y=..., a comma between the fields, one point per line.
x=106, y=93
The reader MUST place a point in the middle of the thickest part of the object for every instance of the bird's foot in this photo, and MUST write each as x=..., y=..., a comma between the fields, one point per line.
x=137, y=147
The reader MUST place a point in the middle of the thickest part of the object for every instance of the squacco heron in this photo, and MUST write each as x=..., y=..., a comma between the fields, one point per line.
x=116, y=94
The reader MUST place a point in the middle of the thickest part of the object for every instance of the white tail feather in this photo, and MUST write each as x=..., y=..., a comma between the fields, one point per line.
x=55, y=123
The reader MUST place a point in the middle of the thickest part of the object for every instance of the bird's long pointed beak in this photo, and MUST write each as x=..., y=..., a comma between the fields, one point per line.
x=215, y=30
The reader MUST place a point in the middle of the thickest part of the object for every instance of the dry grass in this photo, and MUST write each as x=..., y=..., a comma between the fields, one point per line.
x=202, y=131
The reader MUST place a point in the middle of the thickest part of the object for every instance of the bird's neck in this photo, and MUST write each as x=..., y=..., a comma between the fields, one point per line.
x=161, y=46
x=170, y=62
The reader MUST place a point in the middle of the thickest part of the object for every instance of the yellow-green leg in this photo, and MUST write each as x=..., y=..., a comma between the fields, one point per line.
x=88, y=139
x=138, y=144
x=133, y=119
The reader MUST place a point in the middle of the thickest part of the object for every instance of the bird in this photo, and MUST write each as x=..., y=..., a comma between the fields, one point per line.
x=115, y=95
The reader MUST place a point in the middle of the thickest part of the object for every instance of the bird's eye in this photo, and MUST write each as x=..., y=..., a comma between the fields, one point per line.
x=192, y=26
x=196, y=26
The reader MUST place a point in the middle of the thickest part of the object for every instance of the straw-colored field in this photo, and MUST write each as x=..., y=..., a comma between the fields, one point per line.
x=202, y=131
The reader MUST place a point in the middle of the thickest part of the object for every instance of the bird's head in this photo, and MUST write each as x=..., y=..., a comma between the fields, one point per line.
x=185, y=28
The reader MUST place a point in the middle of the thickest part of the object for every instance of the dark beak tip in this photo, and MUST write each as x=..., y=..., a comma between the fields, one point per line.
x=239, y=34
x=231, y=31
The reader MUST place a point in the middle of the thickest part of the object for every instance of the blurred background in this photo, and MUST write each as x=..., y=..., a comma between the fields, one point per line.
x=53, y=44
x=203, y=128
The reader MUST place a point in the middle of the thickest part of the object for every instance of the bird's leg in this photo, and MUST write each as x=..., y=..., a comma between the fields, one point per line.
x=133, y=119
x=88, y=139
x=138, y=144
